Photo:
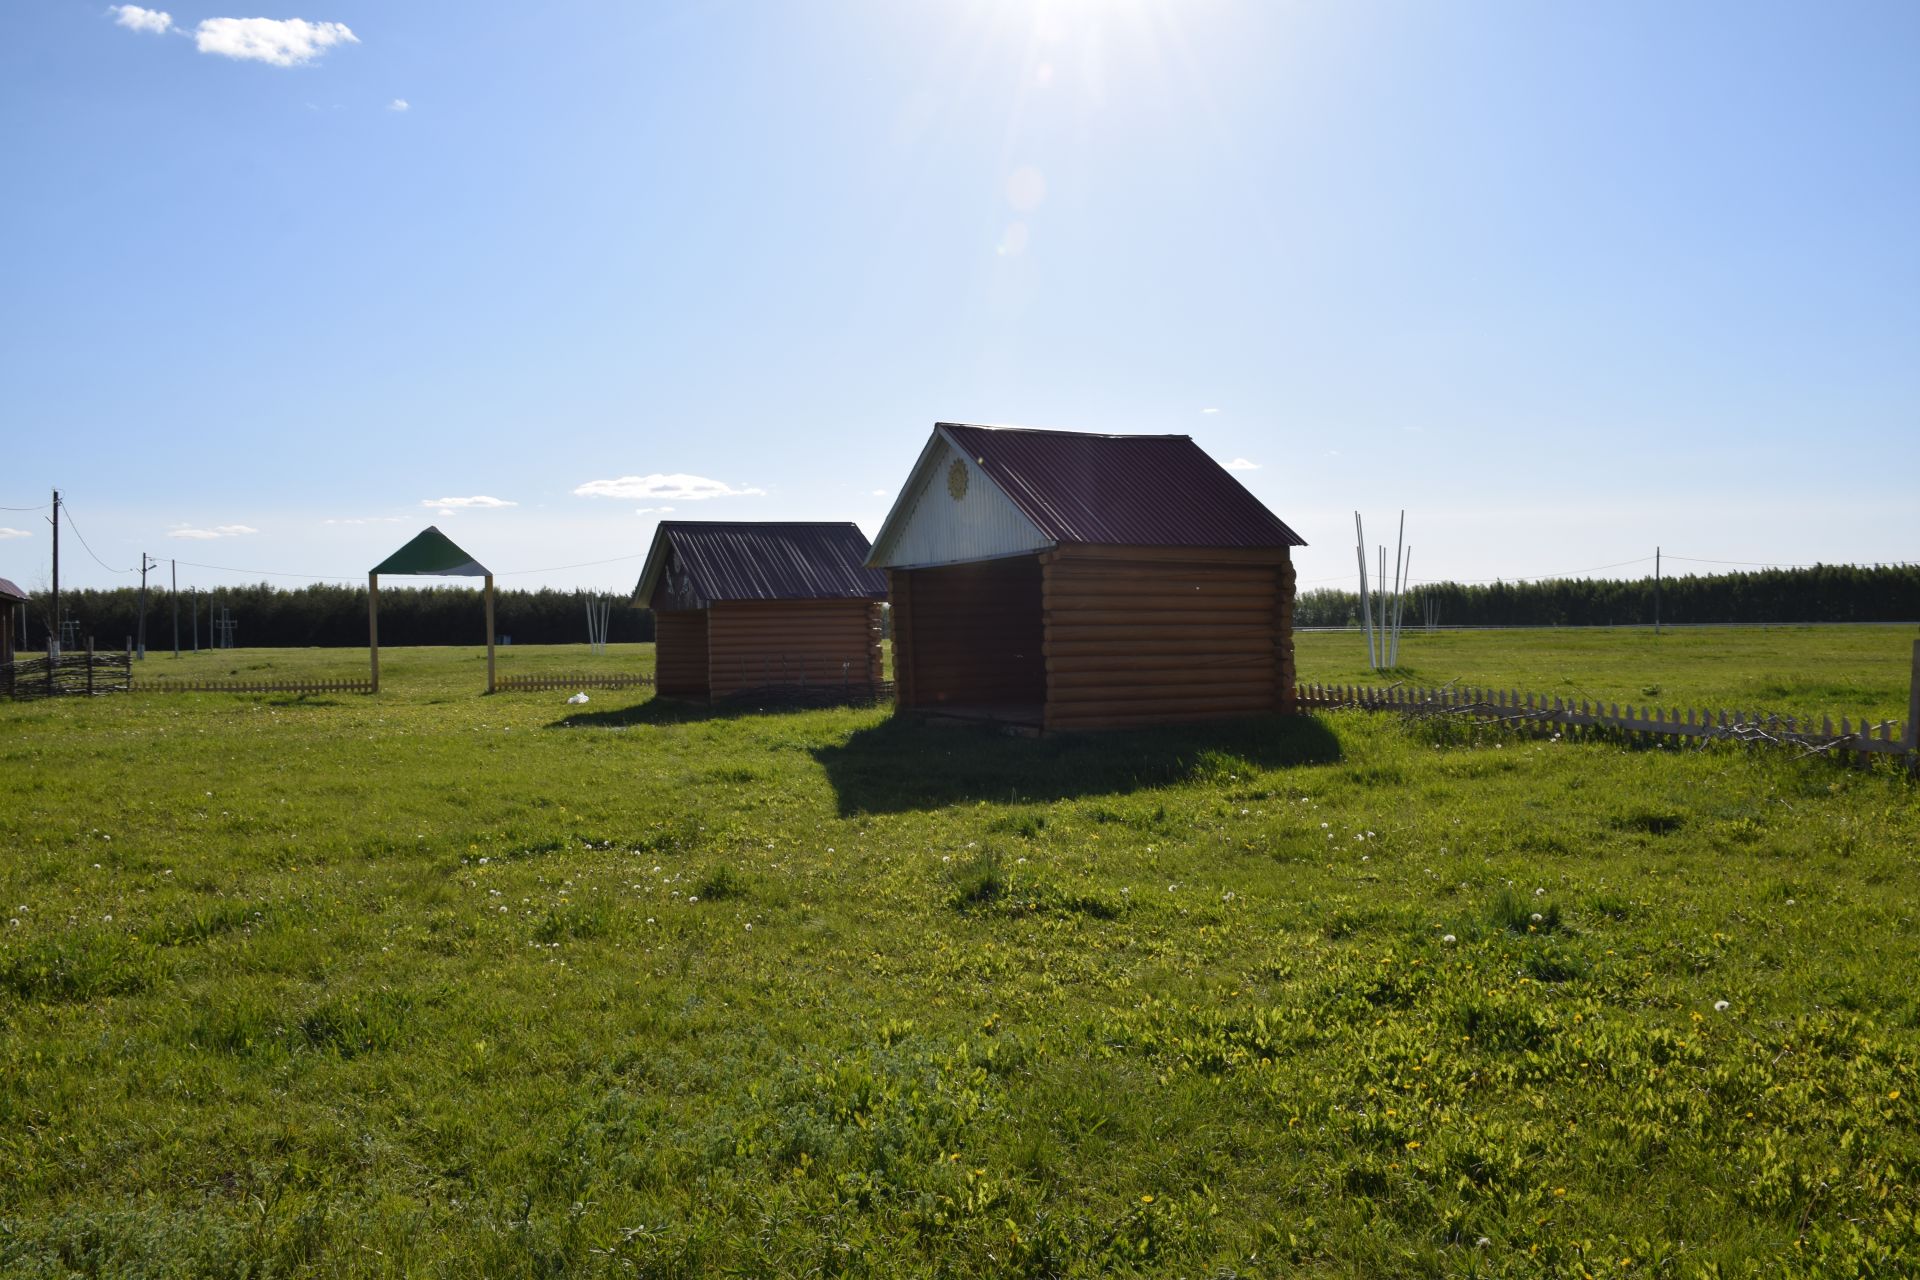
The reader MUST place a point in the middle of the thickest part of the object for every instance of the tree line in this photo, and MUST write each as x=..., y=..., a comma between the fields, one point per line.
x=330, y=616
x=1821, y=593
x=336, y=616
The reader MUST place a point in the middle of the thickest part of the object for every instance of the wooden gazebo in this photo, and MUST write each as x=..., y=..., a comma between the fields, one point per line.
x=432, y=554
x=1059, y=580
x=762, y=606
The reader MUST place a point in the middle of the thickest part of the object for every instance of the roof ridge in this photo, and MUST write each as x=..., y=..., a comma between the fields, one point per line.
x=1062, y=431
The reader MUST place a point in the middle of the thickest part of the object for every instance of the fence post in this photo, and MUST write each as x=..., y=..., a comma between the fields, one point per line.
x=1913, y=713
x=89, y=666
x=53, y=648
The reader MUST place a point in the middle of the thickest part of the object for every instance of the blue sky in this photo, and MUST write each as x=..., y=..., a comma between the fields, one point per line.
x=1564, y=281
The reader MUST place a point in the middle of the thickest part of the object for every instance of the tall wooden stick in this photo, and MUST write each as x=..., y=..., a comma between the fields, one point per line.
x=489, y=633
x=373, y=626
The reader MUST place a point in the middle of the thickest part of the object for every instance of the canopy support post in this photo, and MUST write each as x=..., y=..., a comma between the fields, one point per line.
x=373, y=626
x=489, y=633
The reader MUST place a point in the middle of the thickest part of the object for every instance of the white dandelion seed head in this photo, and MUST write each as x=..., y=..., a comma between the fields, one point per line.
x=1449, y=939
x=1720, y=1006
x=1537, y=918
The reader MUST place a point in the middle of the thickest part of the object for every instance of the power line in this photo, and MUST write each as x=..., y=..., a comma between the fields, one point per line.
x=41, y=507
x=66, y=509
x=275, y=573
x=584, y=564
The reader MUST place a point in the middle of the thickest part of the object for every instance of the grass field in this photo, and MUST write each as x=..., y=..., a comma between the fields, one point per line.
x=437, y=984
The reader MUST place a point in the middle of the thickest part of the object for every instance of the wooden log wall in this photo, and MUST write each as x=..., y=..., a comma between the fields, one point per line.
x=968, y=635
x=1158, y=635
x=680, y=652
x=755, y=644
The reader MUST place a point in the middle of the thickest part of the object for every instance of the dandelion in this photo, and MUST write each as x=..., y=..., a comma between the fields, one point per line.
x=14, y=923
x=1146, y=1199
x=1323, y=826
x=1366, y=857
x=1537, y=918
x=693, y=898
x=485, y=861
x=1720, y=1006
x=1449, y=939
x=1539, y=893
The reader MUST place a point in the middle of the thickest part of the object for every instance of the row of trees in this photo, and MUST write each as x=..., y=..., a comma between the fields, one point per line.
x=334, y=616
x=1822, y=593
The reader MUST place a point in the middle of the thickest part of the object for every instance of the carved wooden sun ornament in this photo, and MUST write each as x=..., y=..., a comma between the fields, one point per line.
x=957, y=479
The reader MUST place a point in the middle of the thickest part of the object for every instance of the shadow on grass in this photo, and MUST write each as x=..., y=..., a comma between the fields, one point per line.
x=903, y=764
x=663, y=711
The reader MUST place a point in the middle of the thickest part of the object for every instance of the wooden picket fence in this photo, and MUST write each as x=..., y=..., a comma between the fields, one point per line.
x=169, y=685
x=1513, y=709
x=540, y=683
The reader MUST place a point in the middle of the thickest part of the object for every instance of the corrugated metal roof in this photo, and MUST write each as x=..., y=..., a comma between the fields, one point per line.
x=1127, y=490
x=10, y=592
x=716, y=560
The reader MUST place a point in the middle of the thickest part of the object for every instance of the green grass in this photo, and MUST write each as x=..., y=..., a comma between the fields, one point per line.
x=1854, y=671
x=438, y=984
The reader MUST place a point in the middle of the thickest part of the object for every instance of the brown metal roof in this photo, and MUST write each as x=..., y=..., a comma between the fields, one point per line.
x=696, y=562
x=10, y=592
x=1127, y=490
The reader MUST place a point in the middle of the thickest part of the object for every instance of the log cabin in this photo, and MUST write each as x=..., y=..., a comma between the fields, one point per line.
x=1055, y=580
x=742, y=607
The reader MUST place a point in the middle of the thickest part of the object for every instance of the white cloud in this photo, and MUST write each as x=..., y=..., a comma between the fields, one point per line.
x=1209, y=411
x=1241, y=464
x=677, y=487
x=287, y=42
x=479, y=502
x=399, y=104
x=134, y=18
x=13, y=533
x=647, y=511
x=366, y=520
x=879, y=493
x=218, y=531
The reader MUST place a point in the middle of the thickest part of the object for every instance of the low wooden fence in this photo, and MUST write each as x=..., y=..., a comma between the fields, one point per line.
x=1513, y=709
x=165, y=684
x=547, y=683
x=76, y=673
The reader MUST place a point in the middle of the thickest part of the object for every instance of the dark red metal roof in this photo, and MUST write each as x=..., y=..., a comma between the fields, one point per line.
x=10, y=592
x=698, y=562
x=1128, y=490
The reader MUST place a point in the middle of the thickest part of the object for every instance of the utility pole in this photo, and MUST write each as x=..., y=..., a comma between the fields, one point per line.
x=174, y=591
x=53, y=628
x=1656, y=590
x=146, y=562
x=195, y=612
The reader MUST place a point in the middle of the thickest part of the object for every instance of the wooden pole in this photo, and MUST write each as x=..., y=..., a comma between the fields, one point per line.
x=1913, y=711
x=373, y=627
x=490, y=632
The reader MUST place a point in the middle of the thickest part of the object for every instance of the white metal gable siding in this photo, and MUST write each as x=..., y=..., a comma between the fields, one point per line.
x=930, y=527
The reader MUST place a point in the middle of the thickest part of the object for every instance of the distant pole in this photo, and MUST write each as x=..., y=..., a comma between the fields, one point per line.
x=146, y=562
x=490, y=632
x=54, y=630
x=1913, y=709
x=1366, y=609
x=194, y=613
x=1656, y=590
x=173, y=590
x=373, y=626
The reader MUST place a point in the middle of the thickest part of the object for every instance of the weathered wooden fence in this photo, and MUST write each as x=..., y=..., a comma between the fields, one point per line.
x=78, y=673
x=167, y=684
x=539, y=683
x=1511, y=708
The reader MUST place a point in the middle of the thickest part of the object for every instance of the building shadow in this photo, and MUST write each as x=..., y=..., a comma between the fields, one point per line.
x=904, y=764
x=670, y=710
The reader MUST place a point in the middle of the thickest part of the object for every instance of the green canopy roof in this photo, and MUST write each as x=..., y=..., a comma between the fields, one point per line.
x=432, y=555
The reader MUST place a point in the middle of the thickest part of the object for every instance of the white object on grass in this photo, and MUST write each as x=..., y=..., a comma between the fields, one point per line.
x=577, y=699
